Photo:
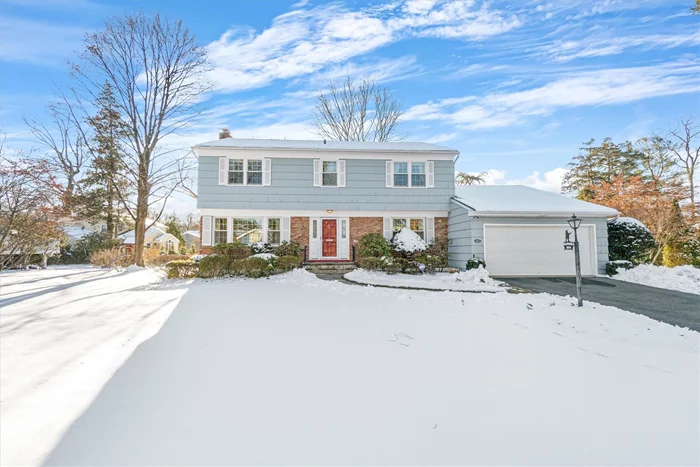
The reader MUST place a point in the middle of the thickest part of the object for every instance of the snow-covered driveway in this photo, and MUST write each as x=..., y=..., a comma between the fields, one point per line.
x=294, y=370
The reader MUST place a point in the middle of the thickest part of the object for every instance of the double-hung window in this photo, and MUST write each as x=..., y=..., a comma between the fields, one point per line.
x=406, y=174
x=245, y=171
x=418, y=174
x=274, y=230
x=330, y=173
x=220, y=228
x=401, y=174
x=415, y=224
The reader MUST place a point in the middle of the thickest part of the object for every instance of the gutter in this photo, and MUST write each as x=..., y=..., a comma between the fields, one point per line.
x=254, y=148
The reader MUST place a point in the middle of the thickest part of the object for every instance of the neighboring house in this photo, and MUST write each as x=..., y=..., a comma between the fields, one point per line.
x=156, y=237
x=191, y=239
x=327, y=195
x=76, y=229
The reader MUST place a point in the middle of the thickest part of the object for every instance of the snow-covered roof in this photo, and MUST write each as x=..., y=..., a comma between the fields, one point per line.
x=518, y=200
x=397, y=146
x=193, y=233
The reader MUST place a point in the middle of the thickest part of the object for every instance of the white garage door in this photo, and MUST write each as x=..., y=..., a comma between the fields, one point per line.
x=536, y=250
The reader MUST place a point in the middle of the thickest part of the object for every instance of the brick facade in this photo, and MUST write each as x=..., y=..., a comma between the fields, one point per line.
x=299, y=231
x=440, y=227
x=360, y=226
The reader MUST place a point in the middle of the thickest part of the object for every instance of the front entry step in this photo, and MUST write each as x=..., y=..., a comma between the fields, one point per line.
x=330, y=270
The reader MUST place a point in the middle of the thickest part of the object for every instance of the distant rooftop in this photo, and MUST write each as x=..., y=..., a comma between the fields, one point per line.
x=399, y=146
x=519, y=199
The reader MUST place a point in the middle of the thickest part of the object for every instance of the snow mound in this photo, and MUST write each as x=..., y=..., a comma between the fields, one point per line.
x=409, y=241
x=474, y=280
x=680, y=278
x=134, y=268
x=266, y=256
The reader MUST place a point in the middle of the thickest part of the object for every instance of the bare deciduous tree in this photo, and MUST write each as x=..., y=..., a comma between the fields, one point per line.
x=156, y=70
x=464, y=178
x=357, y=112
x=67, y=153
x=684, y=144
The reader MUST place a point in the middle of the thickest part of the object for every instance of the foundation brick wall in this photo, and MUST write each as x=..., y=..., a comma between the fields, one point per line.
x=299, y=231
x=360, y=226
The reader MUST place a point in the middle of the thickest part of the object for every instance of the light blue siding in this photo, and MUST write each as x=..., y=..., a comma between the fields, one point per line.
x=463, y=230
x=292, y=188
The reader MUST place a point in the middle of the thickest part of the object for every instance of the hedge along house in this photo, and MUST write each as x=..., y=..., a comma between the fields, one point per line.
x=324, y=195
x=520, y=231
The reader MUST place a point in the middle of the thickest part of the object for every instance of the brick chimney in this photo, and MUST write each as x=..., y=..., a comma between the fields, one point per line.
x=224, y=133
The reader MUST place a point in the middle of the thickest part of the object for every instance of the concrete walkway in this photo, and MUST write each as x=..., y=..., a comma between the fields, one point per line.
x=669, y=306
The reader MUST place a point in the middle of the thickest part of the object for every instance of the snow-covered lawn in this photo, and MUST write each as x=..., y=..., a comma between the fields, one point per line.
x=63, y=333
x=470, y=281
x=295, y=370
x=680, y=278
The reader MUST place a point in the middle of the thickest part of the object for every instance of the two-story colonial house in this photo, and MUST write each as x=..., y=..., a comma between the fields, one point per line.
x=325, y=195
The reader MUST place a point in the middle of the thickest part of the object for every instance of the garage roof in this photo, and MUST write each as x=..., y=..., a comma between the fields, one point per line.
x=518, y=200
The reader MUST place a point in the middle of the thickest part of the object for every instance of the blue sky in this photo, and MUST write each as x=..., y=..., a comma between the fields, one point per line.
x=516, y=87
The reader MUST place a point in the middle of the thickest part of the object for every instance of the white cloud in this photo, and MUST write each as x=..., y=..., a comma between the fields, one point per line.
x=441, y=138
x=304, y=42
x=550, y=180
x=564, y=51
x=585, y=88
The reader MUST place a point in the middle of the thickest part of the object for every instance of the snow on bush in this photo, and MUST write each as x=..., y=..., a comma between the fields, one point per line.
x=629, y=240
x=680, y=278
x=475, y=280
x=407, y=241
x=266, y=256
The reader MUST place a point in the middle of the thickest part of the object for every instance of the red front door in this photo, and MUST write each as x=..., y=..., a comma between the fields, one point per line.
x=330, y=238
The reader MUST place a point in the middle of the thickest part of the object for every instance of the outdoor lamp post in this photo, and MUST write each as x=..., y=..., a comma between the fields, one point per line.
x=575, y=223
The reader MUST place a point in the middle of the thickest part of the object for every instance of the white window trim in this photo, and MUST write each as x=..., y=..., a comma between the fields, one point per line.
x=266, y=171
x=340, y=171
x=429, y=174
x=284, y=227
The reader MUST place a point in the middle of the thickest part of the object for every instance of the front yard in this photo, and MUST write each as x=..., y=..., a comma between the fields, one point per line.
x=295, y=370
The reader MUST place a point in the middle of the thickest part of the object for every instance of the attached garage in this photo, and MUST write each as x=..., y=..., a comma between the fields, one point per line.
x=536, y=250
x=520, y=231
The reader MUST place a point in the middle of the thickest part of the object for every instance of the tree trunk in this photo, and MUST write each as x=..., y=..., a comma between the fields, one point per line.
x=140, y=229
x=110, y=213
x=691, y=174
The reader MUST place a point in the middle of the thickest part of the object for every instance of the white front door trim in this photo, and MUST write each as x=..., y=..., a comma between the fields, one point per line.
x=342, y=244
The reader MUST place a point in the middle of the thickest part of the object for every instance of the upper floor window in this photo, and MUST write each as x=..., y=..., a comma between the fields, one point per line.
x=410, y=174
x=330, y=173
x=254, y=172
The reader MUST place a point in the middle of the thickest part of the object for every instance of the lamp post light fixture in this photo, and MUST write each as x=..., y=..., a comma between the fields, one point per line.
x=575, y=223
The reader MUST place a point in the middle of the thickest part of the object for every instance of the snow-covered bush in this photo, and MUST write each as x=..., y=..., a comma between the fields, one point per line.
x=613, y=267
x=374, y=245
x=197, y=258
x=288, y=249
x=430, y=262
x=630, y=240
x=261, y=247
x=252, y=267
x=181, y=269
x=286, y=263
x=214, y=266
x=371, y=263
x=234, y=250
x=439, y=249
x=80, y=251
x=475, y=263
x=396, y=265
x=407, y=241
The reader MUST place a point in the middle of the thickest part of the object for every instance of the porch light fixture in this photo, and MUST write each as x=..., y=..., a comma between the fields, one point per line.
x=575, y=223
x=329, y=211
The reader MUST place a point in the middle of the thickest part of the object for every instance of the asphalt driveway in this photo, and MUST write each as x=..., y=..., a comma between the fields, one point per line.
x=669, y=306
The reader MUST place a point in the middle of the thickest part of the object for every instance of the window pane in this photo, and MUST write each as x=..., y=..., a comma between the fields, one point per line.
x=400, y=179
x=399, y=224
x=255, y=166
x=220, y=223
x=330, y=167
x=235, y=164
x=254, y=178
x=273, y=224
x=344, y=229
x=314, y=235
x=247, y=230
x=400, y=167
x=235, y=178
x=273, y=238
x=417, y=224
x=219, y=237
x=330, y=179
x=418, y=180
x=418, y=167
